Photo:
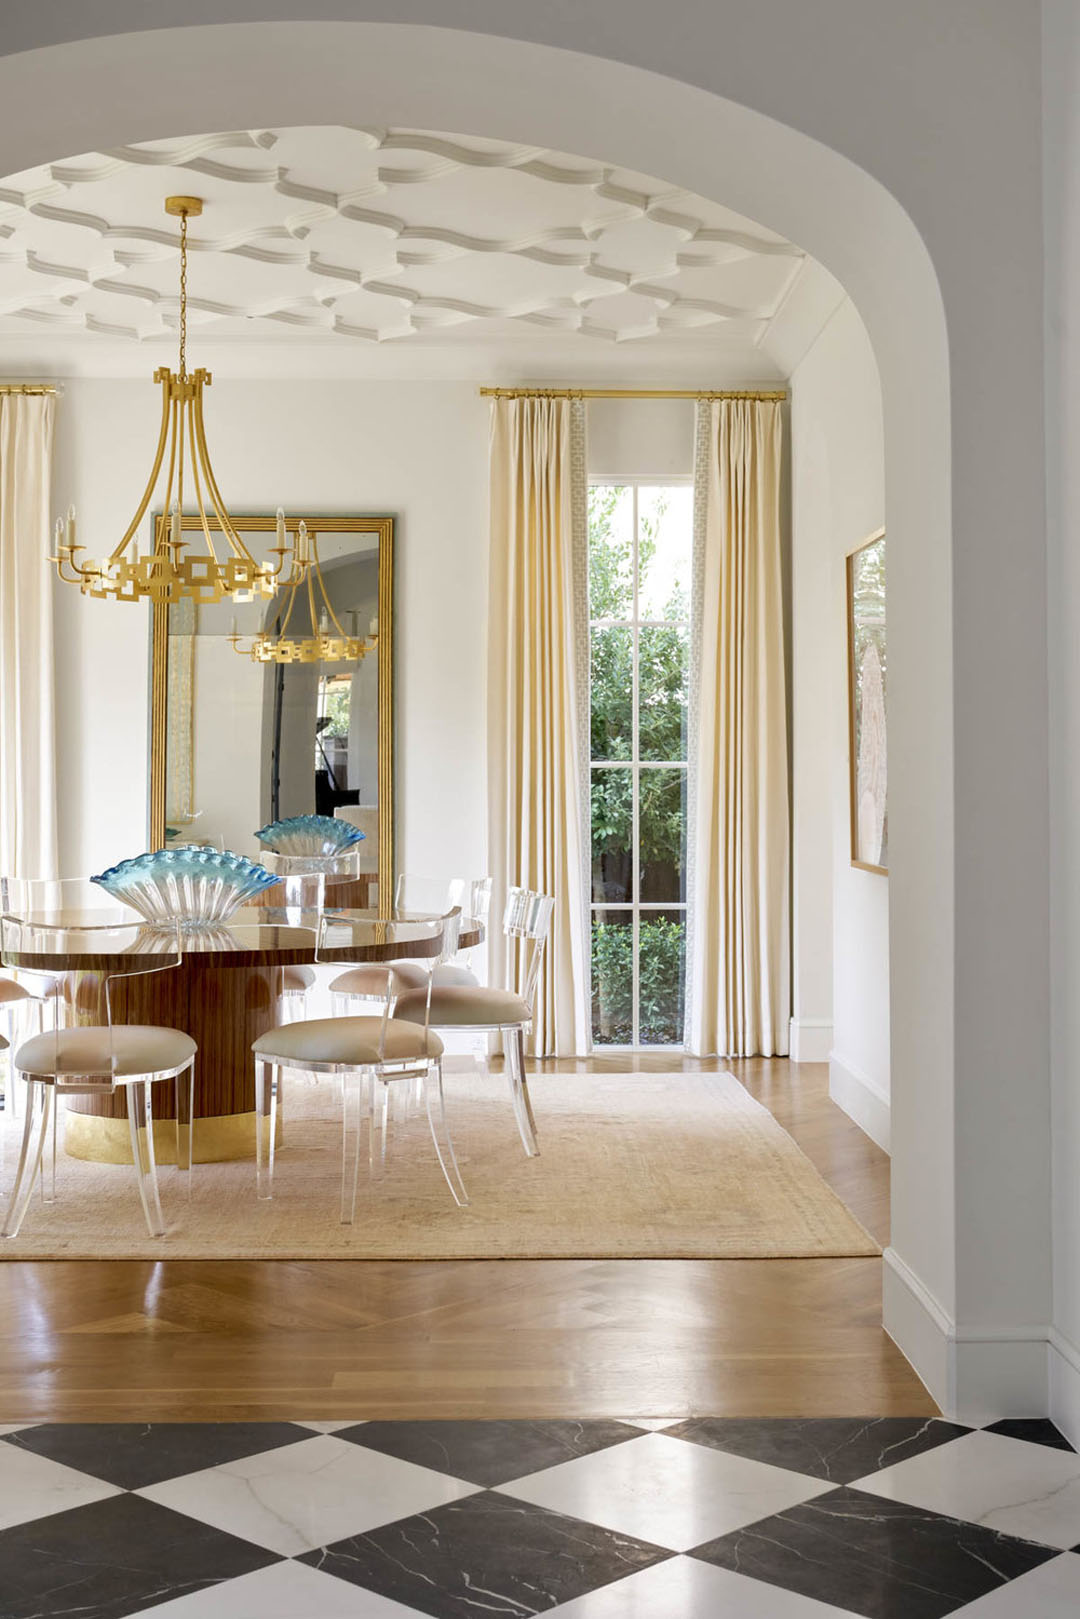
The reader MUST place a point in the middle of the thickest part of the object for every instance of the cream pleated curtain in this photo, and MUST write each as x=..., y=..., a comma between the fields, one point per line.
x=738, y=990
x=28, y=846
x=536, y=680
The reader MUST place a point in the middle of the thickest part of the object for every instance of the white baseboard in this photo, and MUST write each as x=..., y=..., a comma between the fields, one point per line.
x=810, y=1039
x=861, y=1098
x=1065, y=1385
x=976, y=1374
x=919, y=1326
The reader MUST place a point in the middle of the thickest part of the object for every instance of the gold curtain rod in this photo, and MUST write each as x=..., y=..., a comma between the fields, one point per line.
x=28, y=388
x=633, y=393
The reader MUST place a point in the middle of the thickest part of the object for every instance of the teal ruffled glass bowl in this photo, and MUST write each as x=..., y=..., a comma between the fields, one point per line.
x=195, y=888
x=321, y=836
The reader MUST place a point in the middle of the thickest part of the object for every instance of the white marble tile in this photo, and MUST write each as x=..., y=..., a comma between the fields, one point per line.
x=306, y=1495
x=1021, y=1489
x=684, y=1589
x=1051, y=1591
x=330, y=1427
x=32, y=1486
x=284, y=1591
x=651, y=1424
x=666, y=1491
x=14, y=1427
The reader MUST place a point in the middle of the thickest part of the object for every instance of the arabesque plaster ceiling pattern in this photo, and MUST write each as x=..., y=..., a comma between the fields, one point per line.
x=379, y=236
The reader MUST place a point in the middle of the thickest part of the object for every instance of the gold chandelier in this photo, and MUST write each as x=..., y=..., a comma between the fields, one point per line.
x=164, y=573
x=328, y=641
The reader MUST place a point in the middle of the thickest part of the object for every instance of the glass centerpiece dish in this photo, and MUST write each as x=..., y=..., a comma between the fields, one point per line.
x=305, y=845
x=193, y=888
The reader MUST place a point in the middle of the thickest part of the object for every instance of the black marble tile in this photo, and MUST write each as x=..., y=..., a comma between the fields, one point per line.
x=839, y=1449
x=135, y=1454
x=489, y=1453
x=1035, y=1430
x=113, y=1558
x=485, y=1555
x=875, y=1557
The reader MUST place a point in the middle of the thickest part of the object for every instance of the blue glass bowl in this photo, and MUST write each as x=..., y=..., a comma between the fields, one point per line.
x=196, y=888
x=320, y=835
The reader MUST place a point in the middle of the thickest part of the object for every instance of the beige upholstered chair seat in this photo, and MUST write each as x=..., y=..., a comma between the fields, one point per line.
x=371, y=980
x=137, y=1048
x=351, y=1041
x=11, y=991
x=455, y=1006
x=295, y=980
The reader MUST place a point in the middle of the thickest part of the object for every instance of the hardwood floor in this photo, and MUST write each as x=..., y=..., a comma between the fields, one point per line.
x=201, y=1340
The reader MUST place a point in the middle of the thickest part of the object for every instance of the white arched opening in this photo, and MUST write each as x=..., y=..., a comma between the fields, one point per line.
x=98, y=93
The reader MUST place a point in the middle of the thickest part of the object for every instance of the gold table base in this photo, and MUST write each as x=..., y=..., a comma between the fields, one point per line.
x=108, y=1141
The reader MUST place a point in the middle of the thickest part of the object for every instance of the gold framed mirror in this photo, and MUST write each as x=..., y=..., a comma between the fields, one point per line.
x=236, y=742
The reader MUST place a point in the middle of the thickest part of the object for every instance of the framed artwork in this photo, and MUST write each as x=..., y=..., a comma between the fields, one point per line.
x=867, y=731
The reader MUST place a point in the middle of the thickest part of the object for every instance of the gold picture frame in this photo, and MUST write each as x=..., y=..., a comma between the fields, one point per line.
x=867, y=724
x=383, y=527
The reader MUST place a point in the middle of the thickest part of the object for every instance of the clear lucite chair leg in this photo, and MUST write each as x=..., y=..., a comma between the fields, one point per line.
x=185, y=1124
x=48, y=1157
x=514, y=1052
x=39, y=1107
x=266, y=1098
x=380, y=1119
x=141, y=1122
x=440, y=1134
x=353, y=1111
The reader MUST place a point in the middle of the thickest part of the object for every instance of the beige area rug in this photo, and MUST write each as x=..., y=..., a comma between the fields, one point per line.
x=658, y=1166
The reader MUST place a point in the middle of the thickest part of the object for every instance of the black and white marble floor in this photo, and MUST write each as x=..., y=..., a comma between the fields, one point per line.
x=707, y=1519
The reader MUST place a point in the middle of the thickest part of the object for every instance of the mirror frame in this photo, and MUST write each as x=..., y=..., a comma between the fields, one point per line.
x=159, y=667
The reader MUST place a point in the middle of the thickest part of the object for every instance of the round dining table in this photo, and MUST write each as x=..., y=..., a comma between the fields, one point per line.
x=225, y=993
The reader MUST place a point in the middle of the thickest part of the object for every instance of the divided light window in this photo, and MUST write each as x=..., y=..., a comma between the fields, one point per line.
x=640, y=545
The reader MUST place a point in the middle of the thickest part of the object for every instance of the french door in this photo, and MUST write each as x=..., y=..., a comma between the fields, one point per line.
x=640, y=551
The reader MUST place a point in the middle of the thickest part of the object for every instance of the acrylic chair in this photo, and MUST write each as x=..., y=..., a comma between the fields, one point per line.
x=414, y=897
x=369, y=1054
x=98, y=1059
x=526, y=920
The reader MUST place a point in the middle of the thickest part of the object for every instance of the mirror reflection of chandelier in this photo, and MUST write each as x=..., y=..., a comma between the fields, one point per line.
x=327, y=641
x=164, y=573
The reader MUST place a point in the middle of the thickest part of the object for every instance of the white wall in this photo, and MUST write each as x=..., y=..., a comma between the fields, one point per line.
x=633, y=438
x=418, y=451
x=840, y=915
x=1062, y=185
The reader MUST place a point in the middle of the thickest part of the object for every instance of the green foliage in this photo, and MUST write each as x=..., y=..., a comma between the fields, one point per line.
x=336, y=702
x=662, y=953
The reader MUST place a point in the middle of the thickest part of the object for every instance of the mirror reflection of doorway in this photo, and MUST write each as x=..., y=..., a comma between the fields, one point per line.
x=323, y=748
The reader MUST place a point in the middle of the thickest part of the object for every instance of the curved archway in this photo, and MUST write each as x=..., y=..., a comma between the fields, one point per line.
x=176, y=82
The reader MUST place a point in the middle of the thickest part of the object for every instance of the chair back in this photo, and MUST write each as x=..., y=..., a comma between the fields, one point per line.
x=427, y=896
x=333, y=935
x=527, y=918
x=56, y=940
x=480, y=898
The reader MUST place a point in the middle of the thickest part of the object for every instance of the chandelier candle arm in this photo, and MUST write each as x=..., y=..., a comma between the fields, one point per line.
x=170, y=570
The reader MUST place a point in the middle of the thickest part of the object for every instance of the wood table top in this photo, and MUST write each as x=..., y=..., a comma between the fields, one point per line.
x=254, y=937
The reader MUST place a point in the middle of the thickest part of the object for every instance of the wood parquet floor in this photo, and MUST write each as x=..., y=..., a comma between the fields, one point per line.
x=249, y=1340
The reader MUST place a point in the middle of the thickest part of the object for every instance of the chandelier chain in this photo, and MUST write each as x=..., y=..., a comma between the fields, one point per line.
x=183, y=296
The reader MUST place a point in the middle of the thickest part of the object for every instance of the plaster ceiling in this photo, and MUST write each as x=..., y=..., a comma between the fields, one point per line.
x=349, y=241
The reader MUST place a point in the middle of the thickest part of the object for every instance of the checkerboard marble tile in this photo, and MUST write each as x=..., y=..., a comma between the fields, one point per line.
x=637, y=1519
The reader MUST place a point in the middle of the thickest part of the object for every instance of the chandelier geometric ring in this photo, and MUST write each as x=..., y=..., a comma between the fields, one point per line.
x=166, y=573
x=326, y=639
